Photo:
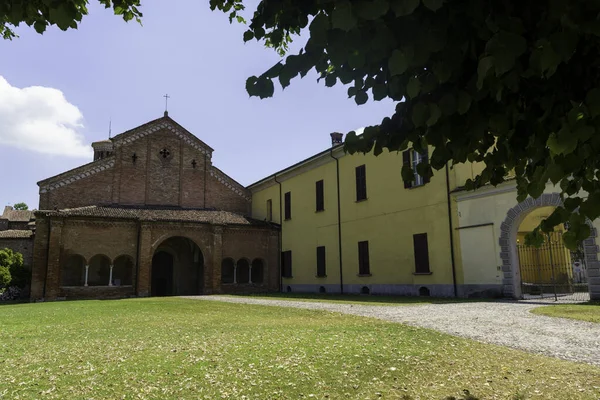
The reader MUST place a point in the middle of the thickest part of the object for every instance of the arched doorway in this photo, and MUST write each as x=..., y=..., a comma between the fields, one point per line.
x=517, y=222
x=162, y=274
x=177, y=268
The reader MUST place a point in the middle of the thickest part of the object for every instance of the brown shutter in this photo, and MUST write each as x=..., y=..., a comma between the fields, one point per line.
x=425, y=160
x=320, y=203
x=421, y=250
x=321, y=269
x=406, y=162
x=288, y=205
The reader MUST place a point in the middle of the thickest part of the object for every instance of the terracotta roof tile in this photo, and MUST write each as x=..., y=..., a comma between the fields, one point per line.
x=158, y=214
x=17, y=215
x=15, y=234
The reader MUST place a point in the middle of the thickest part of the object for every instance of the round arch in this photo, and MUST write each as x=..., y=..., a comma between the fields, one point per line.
x=167, y=236
x=99, y=270
x=227, y=270
x=242, y=270
x=511, y=283
x=73, y=271
x=123, y=268
x=177, y=266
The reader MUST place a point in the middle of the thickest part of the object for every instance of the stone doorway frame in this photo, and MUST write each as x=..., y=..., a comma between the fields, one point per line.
x=511, y=283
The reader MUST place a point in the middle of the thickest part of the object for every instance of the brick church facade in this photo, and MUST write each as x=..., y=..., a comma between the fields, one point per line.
x=150, y=215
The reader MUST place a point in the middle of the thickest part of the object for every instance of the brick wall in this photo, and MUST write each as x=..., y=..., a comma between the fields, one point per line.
x=94, y=189
x=152, y=179
x=23, y=246
x=223, y=198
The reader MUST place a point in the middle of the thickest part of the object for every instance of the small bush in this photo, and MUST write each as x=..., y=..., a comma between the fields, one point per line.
x=5, y=277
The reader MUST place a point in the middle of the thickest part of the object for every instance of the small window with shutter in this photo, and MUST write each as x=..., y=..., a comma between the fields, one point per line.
x=421, y=253
x=361, y=182
x=412, y=158
x=321, y=268
x=286, y=264
x=320, y=197
x=288, y=205
x=364, y=267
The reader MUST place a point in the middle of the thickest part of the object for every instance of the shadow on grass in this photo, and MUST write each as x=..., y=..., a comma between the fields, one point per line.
x=359, y=298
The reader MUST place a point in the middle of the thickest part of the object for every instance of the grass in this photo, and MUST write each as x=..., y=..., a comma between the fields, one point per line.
x=358, y=299
x=585, y=312
x=187, y=349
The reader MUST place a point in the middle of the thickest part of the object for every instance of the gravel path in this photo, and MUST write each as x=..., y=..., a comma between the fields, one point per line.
x=503, y=323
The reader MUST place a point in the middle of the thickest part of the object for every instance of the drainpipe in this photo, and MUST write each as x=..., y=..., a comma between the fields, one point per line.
x=337, y=170
x=137, y=258
x=280, y=234
x=451, y=231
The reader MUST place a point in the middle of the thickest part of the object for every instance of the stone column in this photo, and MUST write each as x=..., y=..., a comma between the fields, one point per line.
x=217, y=256
x=110, y=275
x=234, y=272
x=53, y=276
x=87, y=269
x=144, y=268
x=249, y=272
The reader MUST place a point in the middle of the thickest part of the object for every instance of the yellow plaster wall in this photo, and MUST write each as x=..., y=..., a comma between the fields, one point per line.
x=387, y=219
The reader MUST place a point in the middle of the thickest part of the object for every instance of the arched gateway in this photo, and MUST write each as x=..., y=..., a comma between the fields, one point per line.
x=177, y=268
x=509, y=253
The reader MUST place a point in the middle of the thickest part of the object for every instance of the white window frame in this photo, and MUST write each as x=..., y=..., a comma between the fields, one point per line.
x=416, y=158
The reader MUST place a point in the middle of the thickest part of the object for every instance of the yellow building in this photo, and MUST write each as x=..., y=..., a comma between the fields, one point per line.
x=349, y=224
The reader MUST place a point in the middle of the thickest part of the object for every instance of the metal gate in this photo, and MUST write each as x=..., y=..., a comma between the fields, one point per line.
x=552, y=271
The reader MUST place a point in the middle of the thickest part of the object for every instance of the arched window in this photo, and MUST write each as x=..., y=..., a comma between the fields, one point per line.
x=227, y=272
x=242, y=272
x=99, y=271
x=257, y=271
x=122, y=271
x=73, y=271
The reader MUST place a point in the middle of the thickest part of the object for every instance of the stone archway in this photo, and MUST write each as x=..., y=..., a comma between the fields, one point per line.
x=511, y=283
x=177, y=268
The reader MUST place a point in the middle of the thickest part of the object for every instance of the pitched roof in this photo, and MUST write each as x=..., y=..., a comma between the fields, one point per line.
x=16, y=215
x=157, y=214
x=15, y=234
x=165, y=122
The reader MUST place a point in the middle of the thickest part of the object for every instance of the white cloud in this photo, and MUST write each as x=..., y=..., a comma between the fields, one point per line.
x=40, y=119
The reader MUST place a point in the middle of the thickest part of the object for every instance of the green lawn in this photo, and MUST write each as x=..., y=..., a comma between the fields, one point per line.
x=188, y=349
x=373, y=300
x=584, y=312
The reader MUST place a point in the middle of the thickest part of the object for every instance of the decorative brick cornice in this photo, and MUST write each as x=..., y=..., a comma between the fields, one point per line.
x=228, y=182
x=76, y=174
x=162, y=124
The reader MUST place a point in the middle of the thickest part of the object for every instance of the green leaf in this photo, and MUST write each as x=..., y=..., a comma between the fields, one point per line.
x=464, y=102
x=592, y=100
x=330, y=80
x=448, y=104
x=371, y=10
x=549, y=60
x=485, y=64
x=433, y=5
x=398, y=63
x=404, y=7
x=342, y=17
x=414, y=87
x=420, y=114
x=434, y=114
x=356, y=59
x=318, y=28
x=591, y=206
x=562, y=143
x=361, y=97
x=248, y=35
x=379, y=91
x=505, y=47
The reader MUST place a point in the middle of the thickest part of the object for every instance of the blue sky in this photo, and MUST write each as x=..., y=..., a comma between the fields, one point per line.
x=59, y=90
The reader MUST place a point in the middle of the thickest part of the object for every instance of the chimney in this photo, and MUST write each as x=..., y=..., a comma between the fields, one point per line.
x=336, y=138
